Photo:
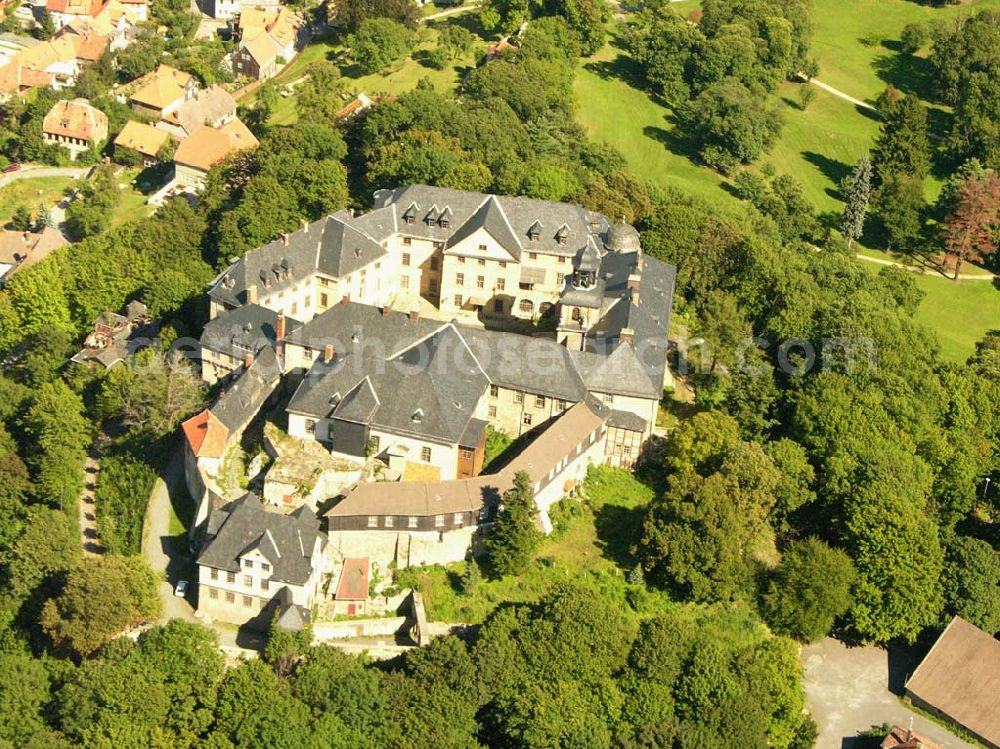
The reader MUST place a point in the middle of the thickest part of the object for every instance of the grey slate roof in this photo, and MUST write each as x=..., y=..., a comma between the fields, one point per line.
x=344, y=249
x=246, y=329
x=245, y=395
x=287, y=541
x=491, y=218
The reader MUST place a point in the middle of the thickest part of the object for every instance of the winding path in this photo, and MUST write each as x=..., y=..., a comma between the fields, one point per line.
x=30, y=171
x=918, y=269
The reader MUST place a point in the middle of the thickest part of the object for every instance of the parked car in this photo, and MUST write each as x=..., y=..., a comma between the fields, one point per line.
x=182, y=588
x=11, y=168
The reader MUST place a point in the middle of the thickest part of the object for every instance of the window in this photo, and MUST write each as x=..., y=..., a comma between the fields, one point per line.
x=492, y=411
x=213, y=593
x=411, y=522
x=526, y=420
x=532, y=256
x=498, y=306
x=295, y=307
x=406, y=259
x=264, y=584
x=501, y=284
x=407, y=242
x=230, y=577
x=562, y=258
x=480, y=282
x=560, y=277
x=373, y=521
x=458, y=300
x=460, y=279
x=311, y=426
x=324, y=300
x=494, y=391
x=248, y=563
x=461, y=260
x=247, y=601
x=247, y=581
x=518, y=397
x=388, y=521
x=503, y=263
x=627, y=449
x=264, y=567
x=482, y=248
x=609, y=398
x=375, y=442
x=457, y=519
x=215, y=574
x=482, y=261
x=563, y=405
x=467, y=454
x=307, y=302
x=425, y=454
x=439, y=521
x=527, y=306
x=230, y=597
x=539, y=401
x=404, y=282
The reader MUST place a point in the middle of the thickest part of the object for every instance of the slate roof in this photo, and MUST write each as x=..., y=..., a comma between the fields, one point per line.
x=286, y=541
x=245, y=395
x=246, y=329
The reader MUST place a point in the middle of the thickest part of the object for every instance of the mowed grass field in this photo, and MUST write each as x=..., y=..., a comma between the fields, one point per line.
x=30, y=193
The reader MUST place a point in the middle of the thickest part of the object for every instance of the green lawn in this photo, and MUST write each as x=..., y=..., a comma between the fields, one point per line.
x=589, y=546
x=960, y=313
x=31, y=192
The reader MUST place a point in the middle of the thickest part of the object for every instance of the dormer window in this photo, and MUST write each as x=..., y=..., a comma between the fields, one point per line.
x=563, y=234
x=264, y=278
x=432, y=215
x=335, y=399
x=535, y=231
x=410, y=214
x=444, y=219
x=417, y=416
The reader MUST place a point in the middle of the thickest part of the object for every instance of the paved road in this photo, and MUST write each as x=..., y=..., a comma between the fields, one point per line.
x=848, y=691
x=31, y=172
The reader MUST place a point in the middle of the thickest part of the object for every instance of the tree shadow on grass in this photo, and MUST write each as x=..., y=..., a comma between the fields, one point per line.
x=622, y=68
x=908, y=73
x=833, y=170
x=618, y=530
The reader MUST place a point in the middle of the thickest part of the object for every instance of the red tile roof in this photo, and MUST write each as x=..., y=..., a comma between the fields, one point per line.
x=206, y=435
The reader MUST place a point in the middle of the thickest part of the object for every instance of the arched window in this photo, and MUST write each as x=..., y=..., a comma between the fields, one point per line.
x=526, y=306
x=577, y=314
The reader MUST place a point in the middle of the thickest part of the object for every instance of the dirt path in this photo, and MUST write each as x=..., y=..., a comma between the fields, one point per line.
x=90, y=539
x=29, y=171
x=449, y=12
x=839, y=94
x=919, y=269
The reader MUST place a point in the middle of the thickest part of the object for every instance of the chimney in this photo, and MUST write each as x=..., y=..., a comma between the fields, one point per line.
x=633, y=281
x=304, y=225
x=247, y=360
x=328, y=353
x=252, y=294
x=386, y=310
x=345, y=299
x=279, y=327
x=635, y=297
x=284, y=238
x=414, y=315
x=627, y=335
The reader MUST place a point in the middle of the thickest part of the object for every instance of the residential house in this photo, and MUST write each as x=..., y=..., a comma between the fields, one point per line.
x=138, y=10
x=959, y=680
x=116, y=336
x=56, y=59
x=205, y=148
x=906, y=738
x=212, y=106
x=267, y=42
x=355, y=106
x=162, y=91
x=255, y=563
x=227, y=341
x=67, y=11
x=75, y=125
x=145, y=139
x=225, y=10
x=21, y=249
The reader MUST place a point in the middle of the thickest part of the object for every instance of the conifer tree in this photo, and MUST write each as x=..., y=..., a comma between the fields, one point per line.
x=514, y=537
x=856, y=195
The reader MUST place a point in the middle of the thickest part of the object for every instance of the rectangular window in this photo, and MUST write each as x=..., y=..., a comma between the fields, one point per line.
x=560, y=277
x=482, y=248
x=406, y=259
x=324, y=300
x=494, y=391
x=498, y=306
x=563, y=405
x=264, y=584
x=627, y=449
x=458, y=300
x=501, y=284
x=461, y=260
x=482, y=261
x=609, y=398
x=264, y=567
x=480, y=282
x=526, y=419
x=230, y=577
x=213, y=593
x=503, y=263
x=373, y=521
x=247, y=581
x=376, y=441
x=215, y=574
x=412, y=522
x=539, y=401
x=467, y=454
x=457, y=519
x=532, y=256
x=425, y=454
x=407, y=242
x=230, y=597
x=460, y=279
x=388, y=521
x=247, y=601
x=562, y=258
x=518, y=396
x=439, y=521
x=404, y=282
x=295, y=308
x=248, y=563
x=492, y=412
x=437, y=246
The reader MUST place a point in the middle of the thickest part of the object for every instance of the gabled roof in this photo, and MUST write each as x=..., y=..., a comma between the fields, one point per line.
x=490, y=218
x=286, y=541
x=141, y=137
x=344, y=249
x=245, y=330
x=207, y=146
x=161, y=87
x=960, y=677
x=207, y=107
x=247, y=393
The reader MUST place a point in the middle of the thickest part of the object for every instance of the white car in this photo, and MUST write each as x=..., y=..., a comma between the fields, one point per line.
x=182, y=588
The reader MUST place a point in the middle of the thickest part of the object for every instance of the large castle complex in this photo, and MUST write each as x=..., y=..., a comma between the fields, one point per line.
x=402, y=335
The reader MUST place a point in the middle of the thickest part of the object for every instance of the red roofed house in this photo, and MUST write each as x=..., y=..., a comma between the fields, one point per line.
x=67, y=11
x=351, y=598
x=75, y=125
x=907, y=738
